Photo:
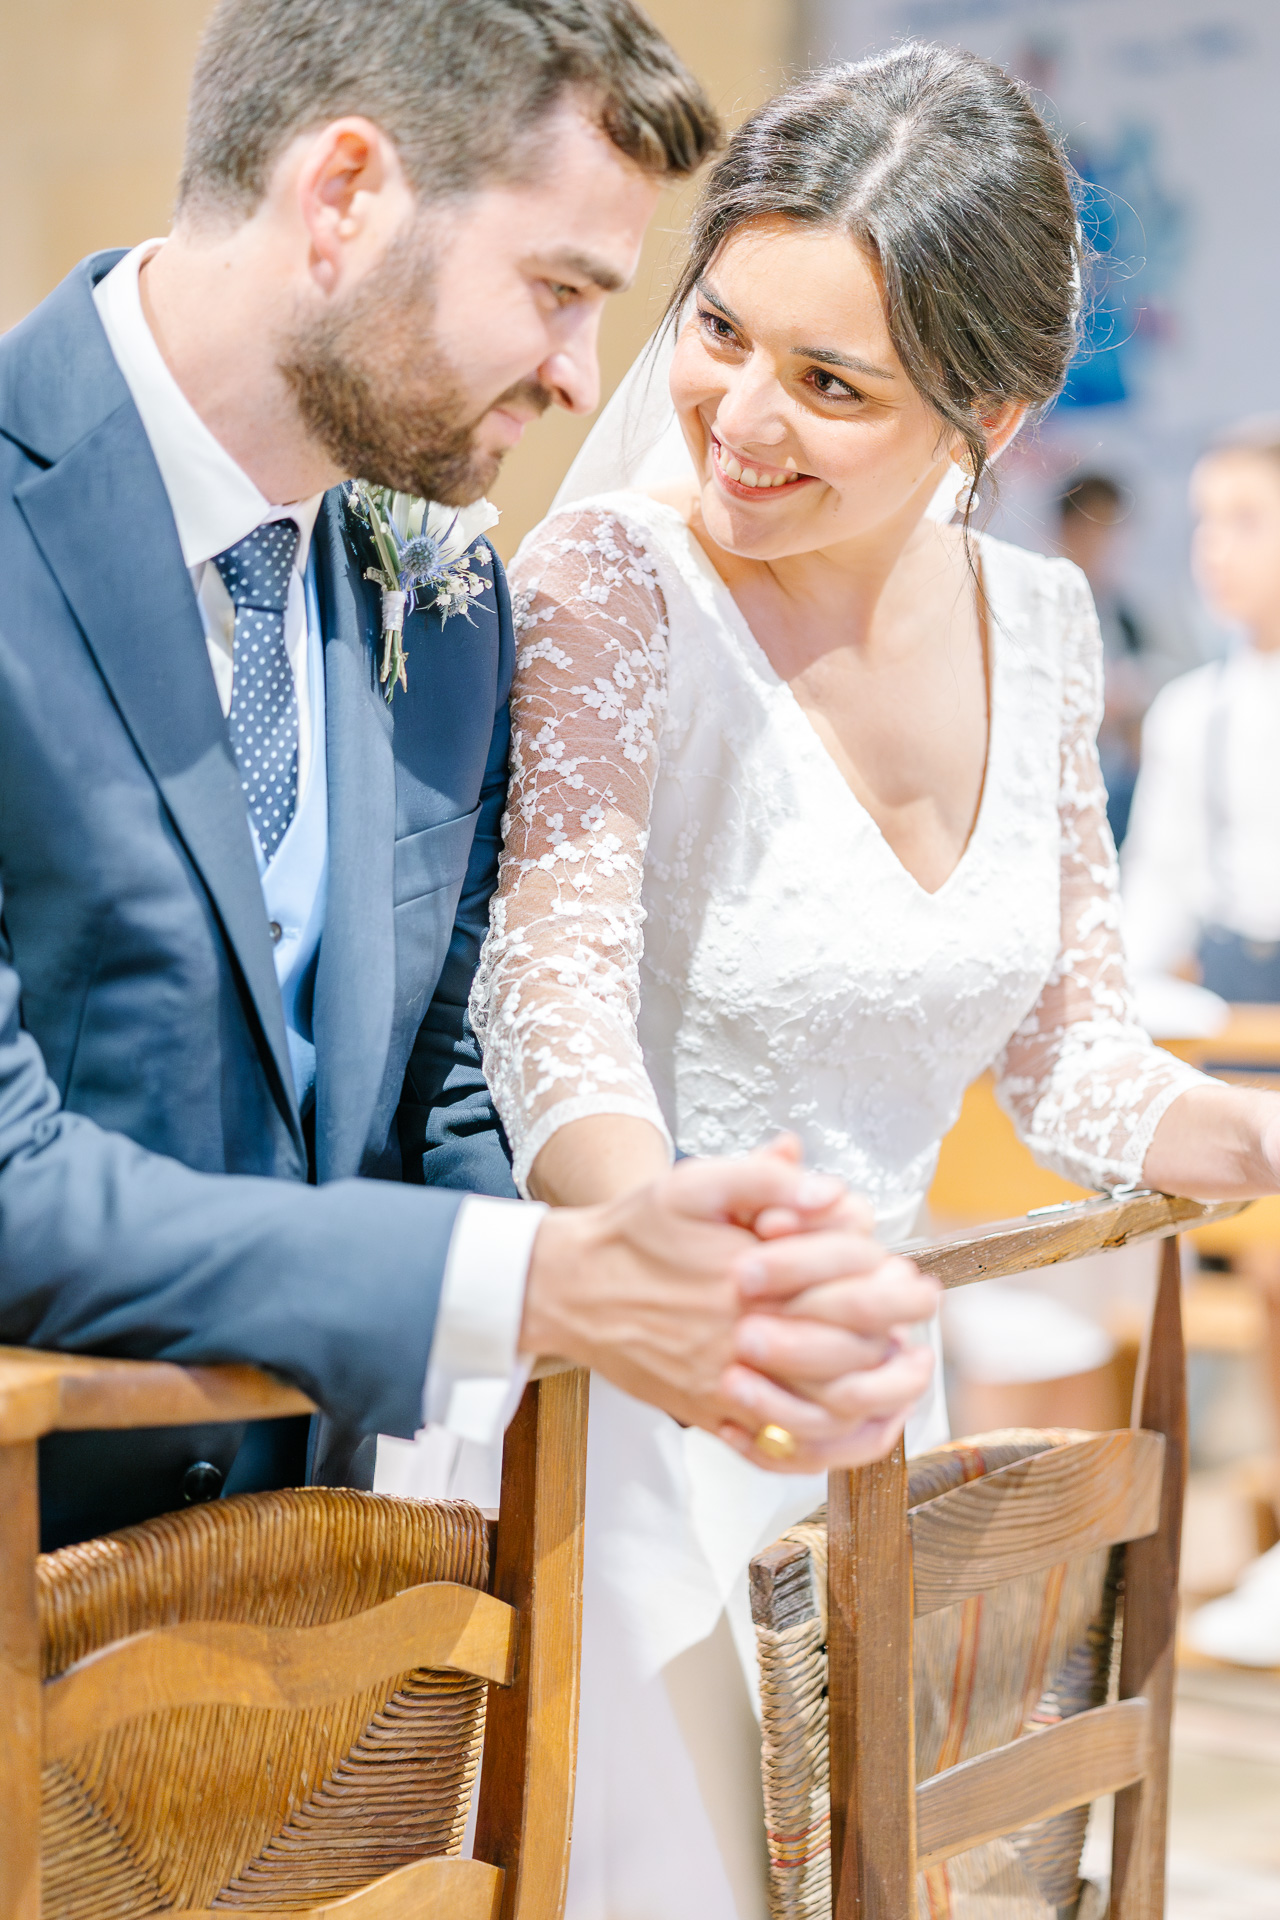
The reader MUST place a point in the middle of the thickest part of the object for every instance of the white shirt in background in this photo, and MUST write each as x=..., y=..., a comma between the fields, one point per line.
x=1210, y=753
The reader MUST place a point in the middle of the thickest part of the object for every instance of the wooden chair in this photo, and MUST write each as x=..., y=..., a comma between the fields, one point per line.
x=1061, y=1502
x=276, y=1703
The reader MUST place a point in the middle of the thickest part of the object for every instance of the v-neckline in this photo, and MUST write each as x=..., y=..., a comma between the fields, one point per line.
x=760, y=660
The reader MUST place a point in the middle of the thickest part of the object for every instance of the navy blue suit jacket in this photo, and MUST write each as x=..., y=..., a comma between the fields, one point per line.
x=154, y=1166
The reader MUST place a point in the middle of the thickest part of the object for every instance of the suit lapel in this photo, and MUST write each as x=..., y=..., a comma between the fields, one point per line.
x=356, y=973
x=102, y=520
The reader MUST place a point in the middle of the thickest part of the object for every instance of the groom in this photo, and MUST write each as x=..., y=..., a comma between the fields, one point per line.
x=242, y=891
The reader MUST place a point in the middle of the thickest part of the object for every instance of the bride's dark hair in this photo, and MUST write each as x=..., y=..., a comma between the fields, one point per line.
x=938, y=163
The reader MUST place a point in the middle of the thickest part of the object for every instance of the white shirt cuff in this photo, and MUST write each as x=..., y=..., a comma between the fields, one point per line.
x=475, y=1375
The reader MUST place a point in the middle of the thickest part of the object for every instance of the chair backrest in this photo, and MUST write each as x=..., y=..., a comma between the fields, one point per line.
x=1030, y=1652
x=277, y=1702
x=1057, y=1518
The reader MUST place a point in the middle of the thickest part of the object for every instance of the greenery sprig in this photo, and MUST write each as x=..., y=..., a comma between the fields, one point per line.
x=425, y=556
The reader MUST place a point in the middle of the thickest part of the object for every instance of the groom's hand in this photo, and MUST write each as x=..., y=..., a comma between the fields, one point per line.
x=662, y=1290
x=778, y=1350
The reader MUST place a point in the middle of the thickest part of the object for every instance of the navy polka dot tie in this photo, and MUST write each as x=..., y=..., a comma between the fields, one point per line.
x=264, y=704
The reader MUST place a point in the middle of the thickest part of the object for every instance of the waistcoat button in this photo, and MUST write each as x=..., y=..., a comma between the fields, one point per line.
x=275, y=930
x=201, y=1482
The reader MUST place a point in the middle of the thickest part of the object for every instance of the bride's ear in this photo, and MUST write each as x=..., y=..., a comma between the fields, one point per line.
x=1001, y=425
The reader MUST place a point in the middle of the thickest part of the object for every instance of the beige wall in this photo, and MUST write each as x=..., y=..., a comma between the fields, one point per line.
x=92, y=94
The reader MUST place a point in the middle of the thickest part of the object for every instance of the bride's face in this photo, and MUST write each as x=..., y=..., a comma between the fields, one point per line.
x=805, y=431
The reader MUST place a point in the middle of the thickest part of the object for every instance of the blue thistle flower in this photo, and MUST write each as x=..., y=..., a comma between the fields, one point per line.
x=420, y=564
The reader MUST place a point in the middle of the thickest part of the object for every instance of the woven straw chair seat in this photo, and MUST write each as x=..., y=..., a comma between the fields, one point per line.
x=244, y=1808
x=1023, y=1655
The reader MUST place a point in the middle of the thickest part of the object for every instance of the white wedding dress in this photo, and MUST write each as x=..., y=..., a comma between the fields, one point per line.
x=698, y=923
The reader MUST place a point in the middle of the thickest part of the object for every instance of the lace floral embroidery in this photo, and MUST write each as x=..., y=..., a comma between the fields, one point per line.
x=557, y=994
x=557, y=997
x=1079, y=1077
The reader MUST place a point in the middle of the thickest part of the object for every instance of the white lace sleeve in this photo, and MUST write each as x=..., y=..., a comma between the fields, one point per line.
x=1082, y=1081
x=556, y=994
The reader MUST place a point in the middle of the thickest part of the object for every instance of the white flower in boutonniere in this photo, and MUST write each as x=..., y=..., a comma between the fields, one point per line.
x=425, y=555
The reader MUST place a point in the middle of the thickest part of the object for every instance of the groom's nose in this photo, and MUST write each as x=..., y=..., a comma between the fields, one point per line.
x=572, y=373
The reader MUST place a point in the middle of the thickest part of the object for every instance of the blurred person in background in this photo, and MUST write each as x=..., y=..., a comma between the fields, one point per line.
x=1092, y=511
x=1201, y=868
x=1202, y=859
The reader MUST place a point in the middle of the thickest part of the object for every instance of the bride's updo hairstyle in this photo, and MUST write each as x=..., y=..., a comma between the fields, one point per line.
x=939, y=165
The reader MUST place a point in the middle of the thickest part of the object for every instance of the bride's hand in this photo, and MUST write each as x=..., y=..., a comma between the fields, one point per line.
x=868, y=1409
x=866, y=1377
x=827, y=1345
x=653, y=1289
x=1269, y=1144
x=845, y=1210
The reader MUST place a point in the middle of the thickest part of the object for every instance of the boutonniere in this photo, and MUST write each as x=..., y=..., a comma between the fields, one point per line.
x=425, y=555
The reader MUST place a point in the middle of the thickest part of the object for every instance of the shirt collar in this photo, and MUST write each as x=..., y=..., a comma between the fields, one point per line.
x=214, y=501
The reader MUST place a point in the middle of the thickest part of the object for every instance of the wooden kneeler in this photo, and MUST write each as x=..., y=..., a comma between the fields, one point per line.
x=887, y=1566
x=437, y=1641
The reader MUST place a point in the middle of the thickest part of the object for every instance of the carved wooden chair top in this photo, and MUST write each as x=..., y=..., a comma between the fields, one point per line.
x=955, y=1621
x=277, y=1703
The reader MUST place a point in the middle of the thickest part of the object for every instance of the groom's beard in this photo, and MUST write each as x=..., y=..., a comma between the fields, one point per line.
x=382, y=400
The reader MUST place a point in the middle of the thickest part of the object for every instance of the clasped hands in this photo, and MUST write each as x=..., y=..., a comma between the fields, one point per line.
x=739, y=1295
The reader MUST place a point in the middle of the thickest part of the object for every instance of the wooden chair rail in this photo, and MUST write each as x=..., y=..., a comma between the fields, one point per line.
x=427, y=1890
x=63, y=1392
x=1151, y=1610
x=217, y=1663
x=54, y=1392
x=873, y=1796
x=1057, y=1234
x=531, y=1729
x=1031, y=1779
x=1028, y=1516
x=882, y=1829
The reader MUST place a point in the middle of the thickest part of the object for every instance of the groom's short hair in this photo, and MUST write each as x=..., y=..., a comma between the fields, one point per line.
x=462, y=87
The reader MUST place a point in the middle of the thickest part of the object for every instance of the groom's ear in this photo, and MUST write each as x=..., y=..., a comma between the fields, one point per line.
x=349, y=189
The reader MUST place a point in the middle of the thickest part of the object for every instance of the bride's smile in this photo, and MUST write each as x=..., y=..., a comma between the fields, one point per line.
x=744, y=478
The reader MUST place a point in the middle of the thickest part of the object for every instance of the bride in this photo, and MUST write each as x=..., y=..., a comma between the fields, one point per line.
x=806, y=830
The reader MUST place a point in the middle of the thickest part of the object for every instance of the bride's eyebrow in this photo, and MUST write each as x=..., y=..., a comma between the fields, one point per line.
x=830, y=358
x=709, y=293
x=827, y=355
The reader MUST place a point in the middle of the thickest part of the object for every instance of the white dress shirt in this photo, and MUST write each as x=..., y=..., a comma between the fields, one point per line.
x=1203, y=845
x=215, y=505
x=475, y=1375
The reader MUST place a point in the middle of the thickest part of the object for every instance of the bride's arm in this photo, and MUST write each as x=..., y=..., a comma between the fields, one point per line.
x=587, y=1161
x=556, y=995
x=1089, y=1091
x=1217, y=1143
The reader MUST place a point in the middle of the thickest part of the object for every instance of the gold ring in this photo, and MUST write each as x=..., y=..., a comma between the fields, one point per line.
x=778, y=1442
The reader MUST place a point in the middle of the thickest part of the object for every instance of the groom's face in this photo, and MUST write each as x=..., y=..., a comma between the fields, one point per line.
x=479, y=316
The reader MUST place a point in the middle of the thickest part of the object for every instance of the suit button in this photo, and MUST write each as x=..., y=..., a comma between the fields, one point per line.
x=201, y=1482
x=276, y=931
